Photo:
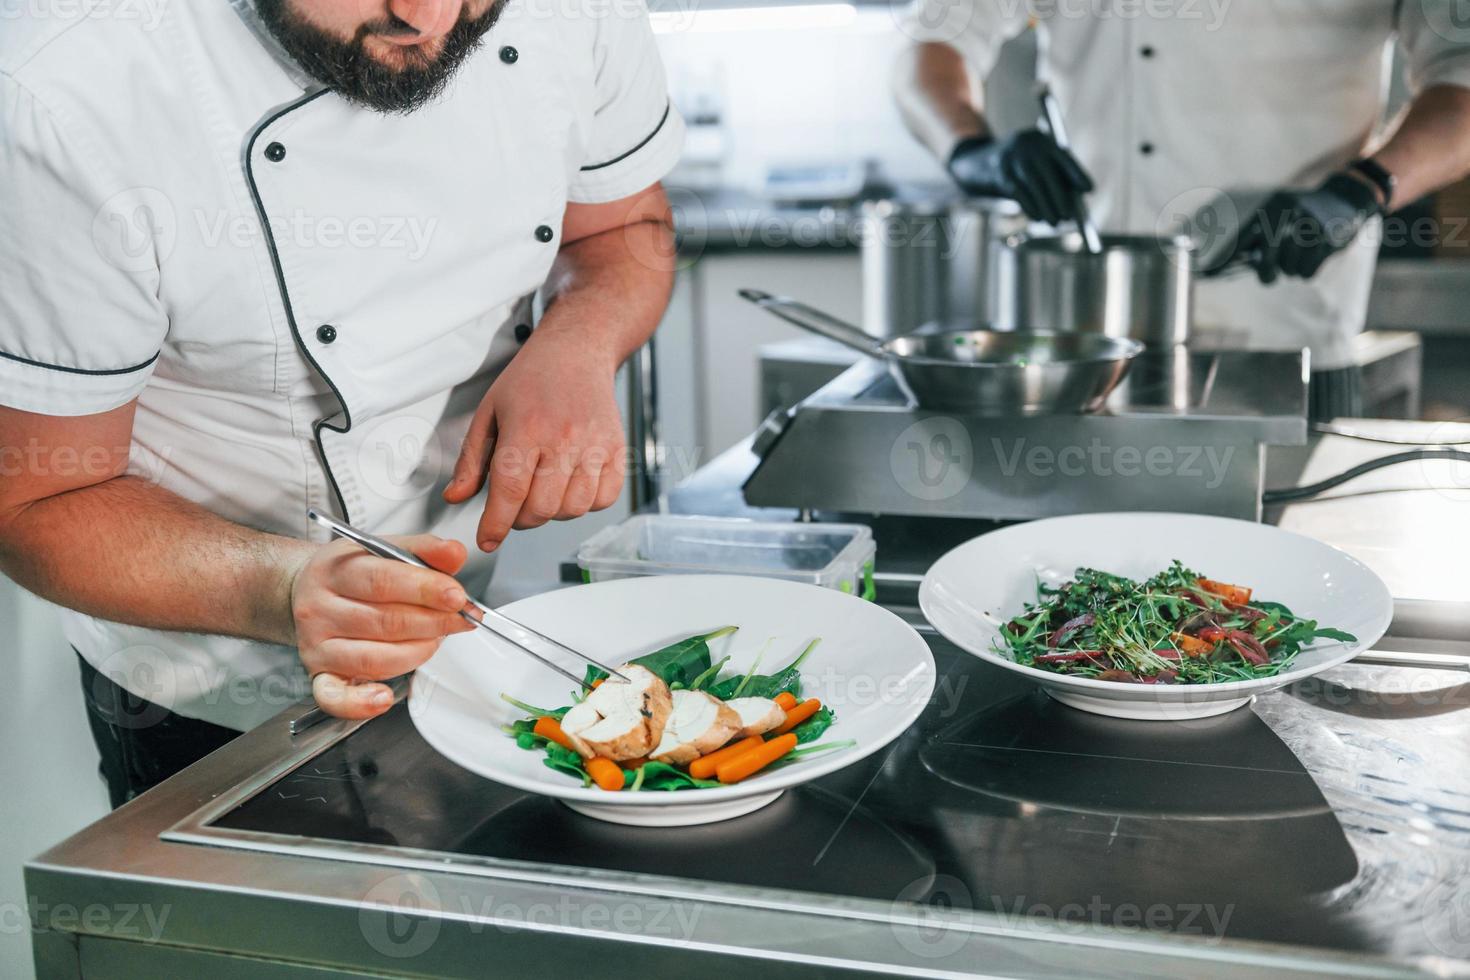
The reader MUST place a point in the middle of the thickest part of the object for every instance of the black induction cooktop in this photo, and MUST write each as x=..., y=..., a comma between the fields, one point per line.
x=1320, y=815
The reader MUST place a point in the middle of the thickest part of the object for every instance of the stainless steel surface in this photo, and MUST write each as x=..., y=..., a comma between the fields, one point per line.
x=1324, y=830
x=1185, y=432
x=643, y=424
x=988, y=373
x=1052, y=114
x=1140, y=286
x=938, y=259
x=522, y=637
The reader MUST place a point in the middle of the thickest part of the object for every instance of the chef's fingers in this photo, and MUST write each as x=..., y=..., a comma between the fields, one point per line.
x=445, y=554
x=374, y=579
x=512, y=471
x=582, y=488
x=373, y=660
x=1081, y=182
x=392, y=621
x=338, y=698
x=474, y=455
x=610, y=482
x=1022, y=191
x=1045, y=179
x=1311, y=260
x=544, y=500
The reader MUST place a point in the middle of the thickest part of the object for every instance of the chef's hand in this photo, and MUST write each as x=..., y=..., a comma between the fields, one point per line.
x=1294, y=232
x=1028, y=167
x=550, y=429
x=361, y=619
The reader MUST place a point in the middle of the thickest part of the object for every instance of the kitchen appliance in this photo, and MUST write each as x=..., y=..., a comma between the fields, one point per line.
x=938, y=259
x=982, y=372
x=1138, y=286
x=1186, y=432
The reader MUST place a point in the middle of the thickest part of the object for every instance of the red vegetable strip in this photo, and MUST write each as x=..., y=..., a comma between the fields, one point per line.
x=1069, y=627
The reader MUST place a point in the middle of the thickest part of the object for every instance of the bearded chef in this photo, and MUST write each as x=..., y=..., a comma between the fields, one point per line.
x=1168, y=103
x=272, y=255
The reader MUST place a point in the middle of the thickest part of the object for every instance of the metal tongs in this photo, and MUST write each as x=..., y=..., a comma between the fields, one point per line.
x=1052, y=114
x=518, y=635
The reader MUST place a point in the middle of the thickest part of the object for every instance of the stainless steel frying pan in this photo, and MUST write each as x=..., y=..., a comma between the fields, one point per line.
x=981, y=372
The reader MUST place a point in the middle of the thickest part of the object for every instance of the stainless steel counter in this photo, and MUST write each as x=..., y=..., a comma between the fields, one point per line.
x=1323, y=831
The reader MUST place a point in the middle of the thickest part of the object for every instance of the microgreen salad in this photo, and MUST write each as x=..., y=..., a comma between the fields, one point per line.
x=1175, y=628
x=678, y=721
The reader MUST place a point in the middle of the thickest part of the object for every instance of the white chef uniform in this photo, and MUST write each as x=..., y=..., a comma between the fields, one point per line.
x=1169, y=101
x=307, y=299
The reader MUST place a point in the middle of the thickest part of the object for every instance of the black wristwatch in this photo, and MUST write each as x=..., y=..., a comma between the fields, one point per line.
x=1378, y=175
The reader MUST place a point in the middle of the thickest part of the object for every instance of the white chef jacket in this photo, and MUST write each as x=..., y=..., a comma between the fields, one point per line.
x=308, y=299
x=1171, y=102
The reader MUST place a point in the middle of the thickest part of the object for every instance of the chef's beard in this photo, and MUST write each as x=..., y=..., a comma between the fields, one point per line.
x=348, y=69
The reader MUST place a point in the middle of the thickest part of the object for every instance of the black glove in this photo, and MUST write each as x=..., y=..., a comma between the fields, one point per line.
x=1028, y=167
x=1294, y=232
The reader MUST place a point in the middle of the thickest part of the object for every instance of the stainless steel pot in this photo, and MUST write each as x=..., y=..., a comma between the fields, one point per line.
x=935, y=260
x=981, y=372
x=1139, y=286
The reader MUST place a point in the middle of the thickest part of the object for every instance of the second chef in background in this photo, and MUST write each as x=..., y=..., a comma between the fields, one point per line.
x=1278, y=104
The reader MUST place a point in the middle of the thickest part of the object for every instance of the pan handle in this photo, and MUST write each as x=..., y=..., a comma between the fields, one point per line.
x=817, y=322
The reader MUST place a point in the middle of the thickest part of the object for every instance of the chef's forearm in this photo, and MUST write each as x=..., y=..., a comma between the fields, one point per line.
x=128, y=551
x=1430, y=148
x=609, y=290
x=937, y=97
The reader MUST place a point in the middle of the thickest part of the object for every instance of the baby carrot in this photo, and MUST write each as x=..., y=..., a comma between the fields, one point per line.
x=548, y=727
x=605, y=773
x=798, y=714
x=751, y=762
x=786, y=700
x=597, y=682
x=704, y=767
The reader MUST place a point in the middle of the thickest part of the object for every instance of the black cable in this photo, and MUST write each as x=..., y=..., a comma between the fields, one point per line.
x=1286, y=494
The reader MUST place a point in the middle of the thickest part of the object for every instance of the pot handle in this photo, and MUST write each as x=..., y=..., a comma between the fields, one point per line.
x=815, y=321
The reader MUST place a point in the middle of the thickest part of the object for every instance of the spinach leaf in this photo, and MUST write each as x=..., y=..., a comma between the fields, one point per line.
x=788, y=678
x=662, y=776
x=534, y=711
x=814, y=727
x=680, y=663
x=565, y=760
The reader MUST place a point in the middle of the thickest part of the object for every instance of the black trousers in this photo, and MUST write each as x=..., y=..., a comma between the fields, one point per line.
x=141, y=743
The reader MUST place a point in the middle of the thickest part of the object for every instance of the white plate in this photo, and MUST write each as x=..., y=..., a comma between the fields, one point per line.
x=872, y=668
x=971, y=592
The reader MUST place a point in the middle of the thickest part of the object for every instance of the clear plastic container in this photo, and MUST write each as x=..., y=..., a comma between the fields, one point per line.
x=834, y=556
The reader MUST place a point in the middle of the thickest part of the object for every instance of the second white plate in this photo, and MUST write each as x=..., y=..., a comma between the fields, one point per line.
x=970, y=593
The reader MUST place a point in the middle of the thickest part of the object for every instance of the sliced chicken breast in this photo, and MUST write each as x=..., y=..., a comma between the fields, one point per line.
x=700, y=723
x=757, y=715
x=620, y=719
